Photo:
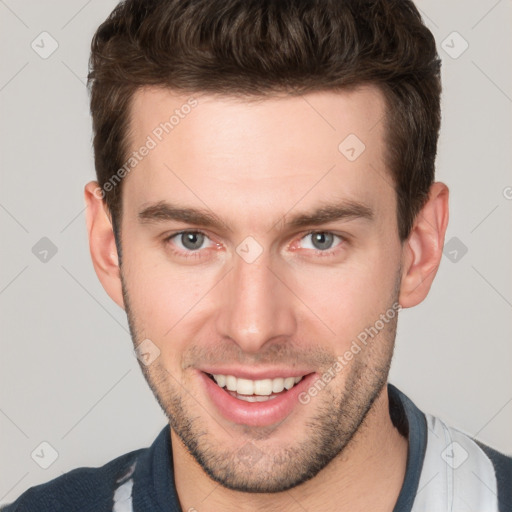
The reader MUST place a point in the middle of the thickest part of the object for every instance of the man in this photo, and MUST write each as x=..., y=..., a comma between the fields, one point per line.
x=265, y=206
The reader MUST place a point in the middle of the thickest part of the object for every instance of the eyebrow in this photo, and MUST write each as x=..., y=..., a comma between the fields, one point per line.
x=163, y=211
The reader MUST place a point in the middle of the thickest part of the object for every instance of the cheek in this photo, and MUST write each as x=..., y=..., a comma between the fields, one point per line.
x=351, y=296
x=161, y=294
x=336, y=302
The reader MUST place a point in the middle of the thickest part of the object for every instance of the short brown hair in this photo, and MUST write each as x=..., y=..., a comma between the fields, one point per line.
x=257, y=48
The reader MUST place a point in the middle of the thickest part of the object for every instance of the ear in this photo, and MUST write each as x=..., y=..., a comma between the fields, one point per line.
x=423, y=250
x=102, y=242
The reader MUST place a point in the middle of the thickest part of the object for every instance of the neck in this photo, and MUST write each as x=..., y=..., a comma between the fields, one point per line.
x=374, y=460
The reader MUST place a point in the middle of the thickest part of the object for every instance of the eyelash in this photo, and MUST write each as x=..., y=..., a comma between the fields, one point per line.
x=198, y=253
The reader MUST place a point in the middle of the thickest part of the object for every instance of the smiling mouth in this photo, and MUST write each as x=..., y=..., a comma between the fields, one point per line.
x=255, y=390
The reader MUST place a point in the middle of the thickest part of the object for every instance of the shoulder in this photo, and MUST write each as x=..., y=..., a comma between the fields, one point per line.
x=503, y=468
x=464, y=470
x=82, y=489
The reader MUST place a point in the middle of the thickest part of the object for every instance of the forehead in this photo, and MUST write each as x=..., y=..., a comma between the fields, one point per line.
x=247, y=156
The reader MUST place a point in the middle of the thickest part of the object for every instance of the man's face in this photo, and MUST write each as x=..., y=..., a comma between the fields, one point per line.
x=256, y=296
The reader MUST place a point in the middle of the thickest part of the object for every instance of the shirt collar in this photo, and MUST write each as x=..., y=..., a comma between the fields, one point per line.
x=154, y=487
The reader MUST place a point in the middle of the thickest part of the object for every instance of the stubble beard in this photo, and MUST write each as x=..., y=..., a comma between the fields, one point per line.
x=258, y=466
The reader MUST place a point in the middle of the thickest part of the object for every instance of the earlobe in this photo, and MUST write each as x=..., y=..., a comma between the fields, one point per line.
x=102, y=243
x=423, y=249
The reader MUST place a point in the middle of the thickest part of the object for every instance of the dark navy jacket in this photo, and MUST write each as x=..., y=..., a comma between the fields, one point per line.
x=447, y=471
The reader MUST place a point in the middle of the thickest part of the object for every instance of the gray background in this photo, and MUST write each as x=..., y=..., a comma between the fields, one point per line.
x=68, y=374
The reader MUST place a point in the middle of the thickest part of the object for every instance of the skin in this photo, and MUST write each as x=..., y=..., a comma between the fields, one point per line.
x=255, y=165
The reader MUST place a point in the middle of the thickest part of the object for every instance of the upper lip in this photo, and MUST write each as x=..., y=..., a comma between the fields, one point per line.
x=255, y=373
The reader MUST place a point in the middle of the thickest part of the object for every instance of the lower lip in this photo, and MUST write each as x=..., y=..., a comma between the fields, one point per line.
x=255, y=414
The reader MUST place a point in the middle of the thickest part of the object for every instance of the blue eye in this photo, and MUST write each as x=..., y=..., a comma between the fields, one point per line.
x=321, y=240
x=192, y=240
x=188, y=242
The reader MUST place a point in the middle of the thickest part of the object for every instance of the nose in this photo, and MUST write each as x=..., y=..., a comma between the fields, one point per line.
x=255, y=305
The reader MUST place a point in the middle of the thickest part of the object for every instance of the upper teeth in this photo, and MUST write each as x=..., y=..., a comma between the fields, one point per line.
x=256, y=387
